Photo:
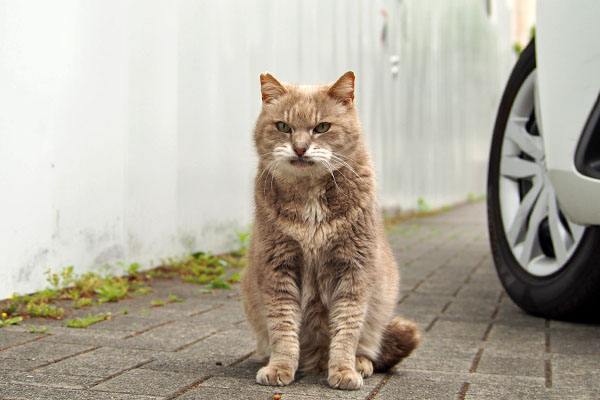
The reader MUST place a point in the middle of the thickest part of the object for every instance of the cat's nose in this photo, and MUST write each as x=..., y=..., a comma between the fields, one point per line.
x=300, y=149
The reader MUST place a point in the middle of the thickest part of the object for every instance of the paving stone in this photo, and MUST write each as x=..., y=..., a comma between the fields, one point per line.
x=169, y=337
x=128, y=323
x=237, y=393
x=102, y=363
x=86, y=337
x=458, y=329
x=28, y=392
x=503, y=365
x=574, y=342
x=225, y=347
x=424, y=386
x=37, y=378
x=148, y=382
x=12, y=364
x=10, y=338
x=44, y=351
x=310, y=386
x=506, y=391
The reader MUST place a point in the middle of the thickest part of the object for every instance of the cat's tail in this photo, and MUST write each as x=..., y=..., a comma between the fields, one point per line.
x=400, y=338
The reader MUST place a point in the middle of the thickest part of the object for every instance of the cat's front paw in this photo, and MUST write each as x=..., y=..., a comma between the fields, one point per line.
x=345, y=379
x=274, y=376
x=364, y=366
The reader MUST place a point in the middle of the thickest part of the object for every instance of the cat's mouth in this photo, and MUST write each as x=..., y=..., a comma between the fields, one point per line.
x=301, y=162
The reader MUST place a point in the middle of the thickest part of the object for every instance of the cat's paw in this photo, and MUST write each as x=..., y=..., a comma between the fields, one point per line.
x=364, y=366
x=274, y=376
x=345, y=379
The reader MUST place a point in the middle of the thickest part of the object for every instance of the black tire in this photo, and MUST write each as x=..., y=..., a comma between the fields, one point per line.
x=572, y=292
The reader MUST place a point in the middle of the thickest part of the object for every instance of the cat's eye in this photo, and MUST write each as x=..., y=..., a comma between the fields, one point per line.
x=283, y=127
x=322, y=127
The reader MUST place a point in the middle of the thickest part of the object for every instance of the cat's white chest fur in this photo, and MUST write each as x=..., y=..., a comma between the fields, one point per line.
x=315, y=210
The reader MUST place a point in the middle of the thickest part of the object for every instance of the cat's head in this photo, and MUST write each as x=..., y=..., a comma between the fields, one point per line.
x=307, y=130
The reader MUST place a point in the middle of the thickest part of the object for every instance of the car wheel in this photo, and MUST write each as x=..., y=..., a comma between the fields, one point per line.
x=548, y=265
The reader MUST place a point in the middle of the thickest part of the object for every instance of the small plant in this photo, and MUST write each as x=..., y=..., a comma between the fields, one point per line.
x=219, y=283
x=9, y=321
x=157, y=303
x=422, y=205
x=44, y=310
x=235, y=278
x=83, y=323
x=174, y=299
x=113, y=290
x=83, y=302
x=41, y=329
x=125, y=311
x=143, y=290
x=144, y=311
x=134, y=269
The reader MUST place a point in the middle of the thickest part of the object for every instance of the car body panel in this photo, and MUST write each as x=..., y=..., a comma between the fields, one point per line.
x=568, y=73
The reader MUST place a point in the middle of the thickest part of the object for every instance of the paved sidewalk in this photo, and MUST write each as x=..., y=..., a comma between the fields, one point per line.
x=477, y=344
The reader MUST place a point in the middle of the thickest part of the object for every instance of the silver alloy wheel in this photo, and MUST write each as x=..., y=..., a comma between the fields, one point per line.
x=540, y=237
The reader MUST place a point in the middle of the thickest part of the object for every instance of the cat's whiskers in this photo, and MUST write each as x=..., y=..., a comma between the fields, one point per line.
x=344, y=163
x=327, y=166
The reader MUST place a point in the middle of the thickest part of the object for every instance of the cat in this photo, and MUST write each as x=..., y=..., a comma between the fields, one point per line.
x=321, y=283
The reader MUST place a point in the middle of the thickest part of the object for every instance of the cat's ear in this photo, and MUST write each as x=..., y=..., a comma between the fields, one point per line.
x=270, y=88
x=343, y=89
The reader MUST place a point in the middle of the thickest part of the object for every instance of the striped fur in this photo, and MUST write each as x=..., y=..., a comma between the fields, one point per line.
x=321, y=283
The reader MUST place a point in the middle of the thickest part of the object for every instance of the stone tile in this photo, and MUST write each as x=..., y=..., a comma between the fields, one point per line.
x=237, y=393
x=225, y=347
x=37, y=378
x=458, y=329
x=169, y=337
x=504, y=365
x=422, y=386
x=310, y=386
x=9, y=338
x=127, y=323
x=148, y=382
x=12, y=391
x=86, y=336
x=574, y=342
x=505, y=391
x=11, y=364
x=102, y=363
x=44, y=351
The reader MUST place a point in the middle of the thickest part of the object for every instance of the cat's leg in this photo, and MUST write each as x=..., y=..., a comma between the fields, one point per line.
x=314, y=334
x=281, y=296
x=347, y=313
x=379, y=313
x=255, y=310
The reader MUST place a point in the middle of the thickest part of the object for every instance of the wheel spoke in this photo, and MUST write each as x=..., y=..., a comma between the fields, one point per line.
x=558, y=233
x=540, y=210
x=516, y=132
x=517, y=168
x=519, y=222
x=576, y=230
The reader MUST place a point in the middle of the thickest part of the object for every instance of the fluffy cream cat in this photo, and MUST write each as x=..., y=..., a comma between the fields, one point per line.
x=321, y=282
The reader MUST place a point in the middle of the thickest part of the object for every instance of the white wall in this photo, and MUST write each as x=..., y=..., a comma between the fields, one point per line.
x=125, y=126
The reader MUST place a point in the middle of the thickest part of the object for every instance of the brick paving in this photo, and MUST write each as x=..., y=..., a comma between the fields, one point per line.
x=477, y=344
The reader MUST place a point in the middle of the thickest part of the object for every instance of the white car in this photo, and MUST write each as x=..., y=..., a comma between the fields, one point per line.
x=544, y=168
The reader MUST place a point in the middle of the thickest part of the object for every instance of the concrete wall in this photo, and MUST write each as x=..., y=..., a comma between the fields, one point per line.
x=125, y=126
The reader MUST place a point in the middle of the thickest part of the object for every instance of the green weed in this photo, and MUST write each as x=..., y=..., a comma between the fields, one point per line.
x=9, y=321
x=83, y=302
x=174, y=299
x=83, y=323
x=41, y=329
x=157, y=303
